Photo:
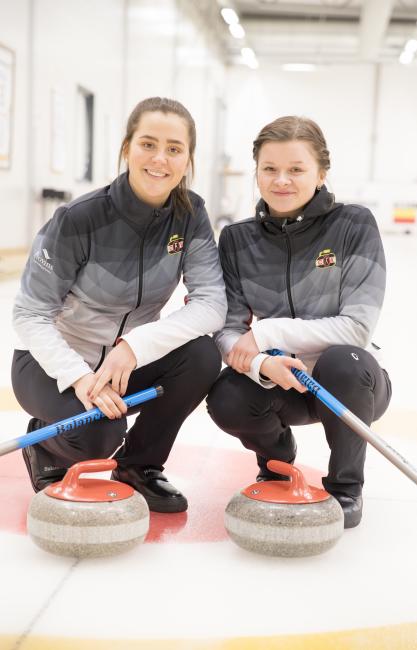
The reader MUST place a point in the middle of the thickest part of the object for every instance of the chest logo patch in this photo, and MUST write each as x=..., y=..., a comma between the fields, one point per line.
x=175, y=244
x=326, y=259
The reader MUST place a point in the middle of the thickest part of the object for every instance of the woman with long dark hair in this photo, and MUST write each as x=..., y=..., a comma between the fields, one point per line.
x=88, y=311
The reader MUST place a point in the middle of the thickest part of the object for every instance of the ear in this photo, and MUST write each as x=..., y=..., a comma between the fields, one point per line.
x=322, y=178
x=125, y=152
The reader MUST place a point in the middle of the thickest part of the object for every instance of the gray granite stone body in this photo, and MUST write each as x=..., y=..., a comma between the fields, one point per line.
x=284, y=529
x=80, y=529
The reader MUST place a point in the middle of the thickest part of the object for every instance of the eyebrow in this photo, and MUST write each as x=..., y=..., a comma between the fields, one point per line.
x=151, y=137
x=292, y=162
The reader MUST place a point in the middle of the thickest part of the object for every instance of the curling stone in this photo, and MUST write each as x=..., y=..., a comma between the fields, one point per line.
x=88, y=517
x=284, y=518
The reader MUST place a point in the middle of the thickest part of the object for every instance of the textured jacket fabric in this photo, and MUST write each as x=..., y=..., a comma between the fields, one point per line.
x=102, y=268
x=314, y=282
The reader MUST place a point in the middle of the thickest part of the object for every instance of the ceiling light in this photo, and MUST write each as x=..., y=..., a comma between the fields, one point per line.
x=298, y=67
x=237, y=30
x=249, y=57
x=229, y=16
x=411, y=45
x=406, y=57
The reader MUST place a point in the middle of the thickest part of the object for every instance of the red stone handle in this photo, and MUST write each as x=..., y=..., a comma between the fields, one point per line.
x=70, y=481
x=299, y=486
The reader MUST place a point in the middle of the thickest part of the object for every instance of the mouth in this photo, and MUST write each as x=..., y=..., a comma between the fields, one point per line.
x=283, y=193
x=155, y=173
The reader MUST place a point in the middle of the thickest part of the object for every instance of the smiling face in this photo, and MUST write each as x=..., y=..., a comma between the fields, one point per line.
x=157, y=156
x=287, y=175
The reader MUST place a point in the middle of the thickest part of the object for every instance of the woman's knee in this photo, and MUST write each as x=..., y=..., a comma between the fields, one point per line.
x=203, y=353
x=344, y=365
x=228, y=404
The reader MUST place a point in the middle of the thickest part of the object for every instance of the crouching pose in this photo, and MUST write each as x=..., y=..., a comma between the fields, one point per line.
x=312, y=272
x=88, y=311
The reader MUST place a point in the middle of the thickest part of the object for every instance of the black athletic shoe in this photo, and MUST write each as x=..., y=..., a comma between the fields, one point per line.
x=40, y=466
x=352, y=509
x=159, y=494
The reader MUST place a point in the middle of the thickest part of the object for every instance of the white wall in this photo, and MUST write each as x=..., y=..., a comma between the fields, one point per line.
x=14, y=34
x=200, y=85
x=76, y=44
x=341, y=100
x=171, y=52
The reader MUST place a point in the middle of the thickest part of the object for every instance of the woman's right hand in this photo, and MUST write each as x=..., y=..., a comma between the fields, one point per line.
x=278, y=369
x=108, y=401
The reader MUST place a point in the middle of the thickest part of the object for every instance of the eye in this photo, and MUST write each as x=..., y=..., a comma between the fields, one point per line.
x=147, y=145
x=296, y=170
x=174, y=150
x=268, y=168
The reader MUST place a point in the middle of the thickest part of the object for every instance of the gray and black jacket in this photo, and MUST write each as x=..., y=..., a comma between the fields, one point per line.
x=103, y=267
x=314, y=282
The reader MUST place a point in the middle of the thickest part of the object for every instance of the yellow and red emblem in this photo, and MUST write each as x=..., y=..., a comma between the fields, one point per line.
x=325, y=259
x=175, y=244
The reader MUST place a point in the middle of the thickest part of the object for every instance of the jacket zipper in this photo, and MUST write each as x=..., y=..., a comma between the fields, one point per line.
x=140, y=287
x=287, y=239
x=124, y=319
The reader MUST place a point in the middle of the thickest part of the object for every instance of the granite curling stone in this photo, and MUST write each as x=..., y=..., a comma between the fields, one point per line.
x=88, y=517
x=284, y=518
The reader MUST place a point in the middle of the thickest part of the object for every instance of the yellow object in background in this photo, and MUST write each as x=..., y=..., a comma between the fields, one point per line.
x=404, y=214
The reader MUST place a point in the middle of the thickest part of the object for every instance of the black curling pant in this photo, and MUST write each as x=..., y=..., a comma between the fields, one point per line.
x=261, y=418
x=186, y=375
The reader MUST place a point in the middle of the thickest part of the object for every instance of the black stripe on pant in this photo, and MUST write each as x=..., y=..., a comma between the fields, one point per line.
x=261, y=417
x=186, y=375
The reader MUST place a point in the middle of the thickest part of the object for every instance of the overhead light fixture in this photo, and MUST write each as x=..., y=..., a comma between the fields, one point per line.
x=237, y=30
x=411, y=45
x=298, y=67
x=229, y=16
x=406, y=57
x=249, y=57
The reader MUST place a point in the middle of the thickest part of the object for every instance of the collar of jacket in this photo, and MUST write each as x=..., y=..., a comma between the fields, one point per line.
x=131, y=208
x=322, y=203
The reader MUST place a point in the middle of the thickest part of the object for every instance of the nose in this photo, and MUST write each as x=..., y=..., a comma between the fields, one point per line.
x=281, y=179
x=159, y=155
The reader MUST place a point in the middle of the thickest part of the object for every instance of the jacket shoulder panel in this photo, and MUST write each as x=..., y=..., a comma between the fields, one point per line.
x=197, y=201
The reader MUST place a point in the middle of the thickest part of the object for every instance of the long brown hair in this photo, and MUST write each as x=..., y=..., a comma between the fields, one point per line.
x=292, y=127
x=181, y=200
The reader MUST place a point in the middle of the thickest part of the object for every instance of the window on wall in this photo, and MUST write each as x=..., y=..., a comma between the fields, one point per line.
x=85, y=135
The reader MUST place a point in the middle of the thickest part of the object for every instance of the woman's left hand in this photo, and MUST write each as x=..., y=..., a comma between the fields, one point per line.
x=116, y=368
x=243, y=352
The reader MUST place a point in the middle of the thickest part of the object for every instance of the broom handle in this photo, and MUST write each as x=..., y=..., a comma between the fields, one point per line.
x=349, y=418
x=85, y=418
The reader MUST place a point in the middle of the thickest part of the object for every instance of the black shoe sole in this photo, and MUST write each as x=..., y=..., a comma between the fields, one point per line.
x=166, y=504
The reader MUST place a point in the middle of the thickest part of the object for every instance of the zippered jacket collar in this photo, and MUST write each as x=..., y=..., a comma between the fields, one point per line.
x=322, y=203
x=131, y=207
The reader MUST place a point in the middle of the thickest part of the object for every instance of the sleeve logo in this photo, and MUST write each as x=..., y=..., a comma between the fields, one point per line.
x=42, y=258
x=326, y=259
x=175, y=244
